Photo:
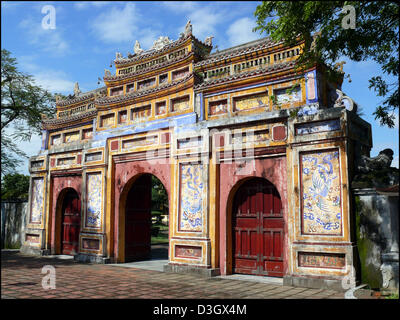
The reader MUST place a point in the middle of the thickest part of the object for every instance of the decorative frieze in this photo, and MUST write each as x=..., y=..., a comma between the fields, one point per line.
x=321, y=260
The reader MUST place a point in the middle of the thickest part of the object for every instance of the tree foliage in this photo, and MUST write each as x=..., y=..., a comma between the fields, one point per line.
x=15, y=187
x=319, y=25
x=22, y=104
x=159, y=196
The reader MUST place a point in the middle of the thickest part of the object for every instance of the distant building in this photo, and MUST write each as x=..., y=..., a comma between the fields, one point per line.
x=255, y=156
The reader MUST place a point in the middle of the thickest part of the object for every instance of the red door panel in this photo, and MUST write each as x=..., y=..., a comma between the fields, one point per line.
x=258, y=229
x=71, y=223
x=138, y=220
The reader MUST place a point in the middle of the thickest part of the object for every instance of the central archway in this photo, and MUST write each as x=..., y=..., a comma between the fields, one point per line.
x=146, y=220
x=257, y=229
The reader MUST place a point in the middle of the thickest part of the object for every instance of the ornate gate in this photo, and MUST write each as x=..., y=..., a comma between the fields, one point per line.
x=71, y=223
x=258, y=229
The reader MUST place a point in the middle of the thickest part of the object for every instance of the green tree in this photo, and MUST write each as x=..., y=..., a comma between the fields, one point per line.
x=159, y=196
x=319, y=25
x=15, y=187
x=22, y=105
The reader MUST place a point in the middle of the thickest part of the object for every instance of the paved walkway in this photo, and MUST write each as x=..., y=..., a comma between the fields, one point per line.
x=21, y=278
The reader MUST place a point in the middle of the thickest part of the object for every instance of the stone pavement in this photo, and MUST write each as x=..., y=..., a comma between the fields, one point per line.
x=21, y=278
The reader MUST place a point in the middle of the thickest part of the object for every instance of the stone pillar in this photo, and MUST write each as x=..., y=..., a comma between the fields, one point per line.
x=377, y=237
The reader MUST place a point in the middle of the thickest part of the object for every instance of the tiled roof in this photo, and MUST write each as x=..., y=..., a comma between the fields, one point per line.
x=61, y=122
x=238, y=50
x=147, y=54
x=82, y=97
x=154, y=67
x=262, y=71
x=135, y=94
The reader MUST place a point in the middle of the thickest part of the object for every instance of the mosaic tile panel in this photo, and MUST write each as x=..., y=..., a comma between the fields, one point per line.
x=37, y=200
x=252, y=101
x=320, y=126
x=94, y=197
x=283, y=96
x=321, y=196
x=191, y=207
x=180, y=104
x=71, y=136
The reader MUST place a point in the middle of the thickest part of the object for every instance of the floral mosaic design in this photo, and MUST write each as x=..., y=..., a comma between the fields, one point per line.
x=321, y=197
x=94, y=196
x=37, y=200
x=191, y=207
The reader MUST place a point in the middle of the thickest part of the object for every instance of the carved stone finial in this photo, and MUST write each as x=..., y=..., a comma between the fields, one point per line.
x=100, y=94
x=338, y=99
x=137, y=49
x=58, y=98
x=118, y=55
x=208, y=40
x=77, y=91
x=107, y=73
x=339, y=66
x=188, y=29
x=315, y=36
x=381, y=161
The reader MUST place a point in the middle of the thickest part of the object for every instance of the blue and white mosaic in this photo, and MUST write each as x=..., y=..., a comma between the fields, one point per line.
x=191, y=207
x=37, y=200
x=321, y=202
x=94, y=197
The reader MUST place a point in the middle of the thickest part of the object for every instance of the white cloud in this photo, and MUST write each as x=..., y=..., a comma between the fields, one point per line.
x=116, y=25
x=180, y=6
x=204, y=19
x=55, y=81
x=81, y=5
x=240, y=31
x=122, y=25
x=49, y=40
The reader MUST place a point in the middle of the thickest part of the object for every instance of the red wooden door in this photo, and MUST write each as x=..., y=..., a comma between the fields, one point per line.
x=258, y=229
x=138, y=220
x=71, y=223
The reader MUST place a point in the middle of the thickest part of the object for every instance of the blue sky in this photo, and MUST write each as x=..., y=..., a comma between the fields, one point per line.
x=87, y=35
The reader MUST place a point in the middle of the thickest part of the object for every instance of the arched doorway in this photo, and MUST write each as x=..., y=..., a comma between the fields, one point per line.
x=257, y=229
x=146, y=231
x=70, y=223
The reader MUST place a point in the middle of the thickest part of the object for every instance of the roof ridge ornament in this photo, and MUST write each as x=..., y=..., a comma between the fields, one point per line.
x=137, y=49
x=77, y=91
x=160, y=43
x=188, y=29
x=208, y=41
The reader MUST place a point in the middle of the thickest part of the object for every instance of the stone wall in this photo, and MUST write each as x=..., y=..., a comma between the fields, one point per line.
x=13, y=221
x=377, y=232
